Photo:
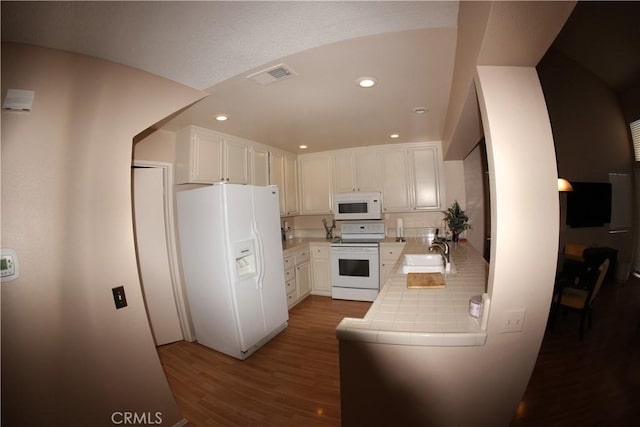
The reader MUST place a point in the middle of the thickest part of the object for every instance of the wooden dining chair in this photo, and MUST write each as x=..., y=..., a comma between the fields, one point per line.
x=574, y=251
x=579, y=293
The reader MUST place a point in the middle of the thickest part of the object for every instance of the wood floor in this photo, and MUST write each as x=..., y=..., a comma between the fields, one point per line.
x=294, y=380
x=594, y=382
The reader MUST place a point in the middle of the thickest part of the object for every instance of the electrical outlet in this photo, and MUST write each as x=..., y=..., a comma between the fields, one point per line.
x=119, y=297
x=513, y=320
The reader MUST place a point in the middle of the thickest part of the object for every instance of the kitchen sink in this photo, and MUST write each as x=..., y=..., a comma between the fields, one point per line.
x=425, y=263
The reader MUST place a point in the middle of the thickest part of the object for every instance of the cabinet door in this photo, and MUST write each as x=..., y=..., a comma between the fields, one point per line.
x=344, y=172
x=389, y=254
x=276, y=176
x=236, y=162
x=367, y=167
x=315, y=181
x=208, y=158
x=198, y=157
x=259, y=166
x=303, y=279
x=291, y=184
x=320, y=269
x=425, y=163
x=395, y=181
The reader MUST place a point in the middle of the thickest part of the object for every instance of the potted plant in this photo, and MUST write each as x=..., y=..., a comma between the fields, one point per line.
x=457, y=220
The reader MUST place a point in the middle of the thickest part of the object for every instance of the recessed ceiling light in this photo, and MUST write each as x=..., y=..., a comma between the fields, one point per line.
x=302, y=147
x=420, y=110
x=394, y=135
x=222, y=117
x=366, y=82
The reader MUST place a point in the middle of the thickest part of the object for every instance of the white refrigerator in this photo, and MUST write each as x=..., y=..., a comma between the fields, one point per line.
x=232, y=262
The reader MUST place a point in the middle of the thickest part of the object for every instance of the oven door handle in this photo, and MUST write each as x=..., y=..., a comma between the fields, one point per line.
x=353, y=249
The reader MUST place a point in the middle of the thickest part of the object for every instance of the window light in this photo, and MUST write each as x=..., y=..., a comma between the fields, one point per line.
x=635, y=137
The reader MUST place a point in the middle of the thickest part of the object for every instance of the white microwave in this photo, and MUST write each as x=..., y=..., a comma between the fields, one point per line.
x=358, y=206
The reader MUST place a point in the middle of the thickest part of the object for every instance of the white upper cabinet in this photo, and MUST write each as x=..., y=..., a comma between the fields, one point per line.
x=291, y=183
x=284, y=174
x=409, y=176
x=368, y=170
x=427, y=176
x=396, y=180
x=259, y=165
x=276, y=176
x=315, y=183
x=236, y=161
x=356, y=170
x=198, y=157
x=205, y=157
x=344, y=179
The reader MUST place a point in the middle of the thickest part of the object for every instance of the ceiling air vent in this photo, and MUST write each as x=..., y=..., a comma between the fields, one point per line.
x=273, y=74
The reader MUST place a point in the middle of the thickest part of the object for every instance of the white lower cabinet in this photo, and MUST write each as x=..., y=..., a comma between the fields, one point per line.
x=297, y=274
x=389, y=255
x=320, y=269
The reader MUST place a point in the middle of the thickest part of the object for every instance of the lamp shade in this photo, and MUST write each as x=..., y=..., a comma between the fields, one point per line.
x=564, y=185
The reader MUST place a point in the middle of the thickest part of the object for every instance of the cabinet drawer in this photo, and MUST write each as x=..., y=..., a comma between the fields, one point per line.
x=291, y=299
x=289, y=274
x=302, y=257
x=390, y=253
x=289, y=262
x=290, y=286
x=320, y=251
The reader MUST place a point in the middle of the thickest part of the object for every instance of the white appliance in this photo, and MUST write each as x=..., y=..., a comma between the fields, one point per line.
x=357, y=206
x=355, y=261
x=233, y=268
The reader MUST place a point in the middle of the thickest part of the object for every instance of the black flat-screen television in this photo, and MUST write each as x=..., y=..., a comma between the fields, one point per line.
x=589, y=204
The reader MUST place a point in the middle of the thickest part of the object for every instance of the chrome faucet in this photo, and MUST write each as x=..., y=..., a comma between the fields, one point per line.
x=443, y=249
x=443, y=245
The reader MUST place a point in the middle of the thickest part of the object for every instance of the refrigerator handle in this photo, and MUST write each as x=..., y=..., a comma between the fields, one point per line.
x=260, y=257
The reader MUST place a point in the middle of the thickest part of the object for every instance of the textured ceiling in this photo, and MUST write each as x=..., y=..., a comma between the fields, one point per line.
x=202, y=43
x=408, y=46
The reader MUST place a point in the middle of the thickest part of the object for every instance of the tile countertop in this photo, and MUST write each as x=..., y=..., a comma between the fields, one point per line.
x=426, y=317
x=294, y=243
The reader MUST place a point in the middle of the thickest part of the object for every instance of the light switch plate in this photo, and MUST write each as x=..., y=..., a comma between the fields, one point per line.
x=513, y=320
x=18, y=99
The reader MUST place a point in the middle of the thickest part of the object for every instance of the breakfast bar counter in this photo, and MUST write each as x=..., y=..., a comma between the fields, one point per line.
x=426, y=317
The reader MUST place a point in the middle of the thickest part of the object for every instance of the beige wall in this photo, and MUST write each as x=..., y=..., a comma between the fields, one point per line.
x=159, y=145
x=68, y=356
x=591, y=139
x=479, y=386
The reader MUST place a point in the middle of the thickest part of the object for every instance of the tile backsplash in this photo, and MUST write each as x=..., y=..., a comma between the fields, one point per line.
x=415, y=224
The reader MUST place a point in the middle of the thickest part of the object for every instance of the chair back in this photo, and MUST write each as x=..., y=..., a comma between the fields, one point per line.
x=574, y=251
x=596, y=288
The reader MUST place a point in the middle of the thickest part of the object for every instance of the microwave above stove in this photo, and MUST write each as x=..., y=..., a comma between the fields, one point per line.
x=357, y=206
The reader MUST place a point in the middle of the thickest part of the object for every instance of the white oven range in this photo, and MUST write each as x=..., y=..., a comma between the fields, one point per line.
x=355, y=261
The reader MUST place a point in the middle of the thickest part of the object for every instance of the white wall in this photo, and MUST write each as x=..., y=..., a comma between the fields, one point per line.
x=68, y=356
